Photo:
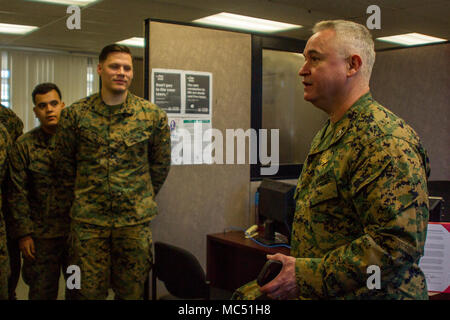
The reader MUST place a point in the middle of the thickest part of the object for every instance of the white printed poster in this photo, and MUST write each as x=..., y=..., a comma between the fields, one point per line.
x=186, y=96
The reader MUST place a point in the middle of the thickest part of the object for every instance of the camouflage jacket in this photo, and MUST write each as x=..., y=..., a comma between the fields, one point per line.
x=11, y=122
x=4, y=145
x=118, y=159
x=14, y=126
x=38, y=202
x=362, y=200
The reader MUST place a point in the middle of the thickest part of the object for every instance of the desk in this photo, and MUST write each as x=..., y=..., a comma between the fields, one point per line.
x=233, y=260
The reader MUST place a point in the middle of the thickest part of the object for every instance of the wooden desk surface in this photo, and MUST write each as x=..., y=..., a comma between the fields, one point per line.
x=237, y=239
x=233, y=260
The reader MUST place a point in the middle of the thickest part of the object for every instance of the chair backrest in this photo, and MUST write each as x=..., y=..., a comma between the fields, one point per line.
x=180, y=271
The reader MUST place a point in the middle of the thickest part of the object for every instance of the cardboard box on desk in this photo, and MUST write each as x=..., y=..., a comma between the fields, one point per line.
x=435, y=263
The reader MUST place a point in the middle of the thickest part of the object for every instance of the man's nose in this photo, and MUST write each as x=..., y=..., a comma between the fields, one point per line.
x=121, y=70
x=303, y=70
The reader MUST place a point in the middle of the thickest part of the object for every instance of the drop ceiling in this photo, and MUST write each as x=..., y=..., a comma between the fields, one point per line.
x=109, y=21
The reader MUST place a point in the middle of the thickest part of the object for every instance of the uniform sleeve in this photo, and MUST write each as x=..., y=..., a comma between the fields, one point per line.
x=159, y=152
x=389, y=194
x=64, y=153
x=4, y=148
x=19, y=219
x=18, y=128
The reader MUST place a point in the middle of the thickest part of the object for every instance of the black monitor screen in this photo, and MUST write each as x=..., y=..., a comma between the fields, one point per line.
x=277, y=205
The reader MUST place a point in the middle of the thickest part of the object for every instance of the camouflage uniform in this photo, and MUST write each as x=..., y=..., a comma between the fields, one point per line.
x=4, y=258
x=11, y=122
x=361, y=200
x=14, y=126
x=40, y=209
x=118, y=157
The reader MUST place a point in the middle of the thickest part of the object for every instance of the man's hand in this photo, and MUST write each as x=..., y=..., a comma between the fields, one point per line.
x=26, y=245
x=284, y=286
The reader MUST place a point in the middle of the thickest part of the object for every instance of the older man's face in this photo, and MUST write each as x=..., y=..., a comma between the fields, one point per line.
x=324, y=71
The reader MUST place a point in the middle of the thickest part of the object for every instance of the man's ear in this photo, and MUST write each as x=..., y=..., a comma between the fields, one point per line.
x=354, y=65
x=99, y=68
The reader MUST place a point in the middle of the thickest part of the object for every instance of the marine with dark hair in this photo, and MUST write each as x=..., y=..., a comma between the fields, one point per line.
x=361, y=199
x=114, y=147
x=14, y=126
x=39, y=205
x=44, y=88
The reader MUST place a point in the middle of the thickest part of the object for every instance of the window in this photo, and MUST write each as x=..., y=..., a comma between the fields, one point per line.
x=277, y=103
x=5, y=81
x=90, y=77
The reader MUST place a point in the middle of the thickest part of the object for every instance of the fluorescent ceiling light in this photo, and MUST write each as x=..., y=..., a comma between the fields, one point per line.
x=236, y=21
x=133, y=42
x=80, y=3
x=16, y=28
x=411, y=39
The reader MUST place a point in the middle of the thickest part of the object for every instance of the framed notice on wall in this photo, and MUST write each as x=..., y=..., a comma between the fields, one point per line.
x=186, y=97
x=166, y=90
x=198, y=89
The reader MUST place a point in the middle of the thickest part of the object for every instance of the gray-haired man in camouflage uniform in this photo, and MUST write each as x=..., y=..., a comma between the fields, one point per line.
x=115, y=147
x=39, y=205
x=361, y=199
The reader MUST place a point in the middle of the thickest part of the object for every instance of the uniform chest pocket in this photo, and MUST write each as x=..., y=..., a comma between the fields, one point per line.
x=40, y=168
x=89, y=137
x=132, y=140
x=323, y=191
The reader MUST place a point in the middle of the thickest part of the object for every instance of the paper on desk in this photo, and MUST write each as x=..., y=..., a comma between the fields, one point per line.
x=435, y=263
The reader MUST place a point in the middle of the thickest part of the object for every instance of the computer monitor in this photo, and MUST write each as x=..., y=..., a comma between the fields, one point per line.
x=436, y=208
x=276, y=209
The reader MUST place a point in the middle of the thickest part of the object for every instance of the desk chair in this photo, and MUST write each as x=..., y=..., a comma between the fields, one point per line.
x=180, y=272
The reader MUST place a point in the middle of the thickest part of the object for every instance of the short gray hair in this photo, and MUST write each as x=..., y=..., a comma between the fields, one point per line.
x=353, y=38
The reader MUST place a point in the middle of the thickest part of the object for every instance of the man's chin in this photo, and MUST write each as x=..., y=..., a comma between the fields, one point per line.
x=119, y=90
x=308, y=97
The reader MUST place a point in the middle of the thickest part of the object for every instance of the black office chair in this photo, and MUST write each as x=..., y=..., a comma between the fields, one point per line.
x=180, y=272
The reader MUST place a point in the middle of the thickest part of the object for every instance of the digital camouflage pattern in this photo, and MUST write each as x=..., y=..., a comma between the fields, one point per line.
x=361, y=200
x=119, y=258
x=4, y=259
x=14, y=126
x=38, y=202
x=11, y=122
x=42, y=274
x=118, y=157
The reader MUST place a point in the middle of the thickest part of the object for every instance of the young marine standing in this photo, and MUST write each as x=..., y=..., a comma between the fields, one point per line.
x=39, y=206
x=115, y=148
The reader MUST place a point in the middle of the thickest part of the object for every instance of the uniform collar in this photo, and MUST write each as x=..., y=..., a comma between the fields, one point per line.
x=43, y=138
x=99, y=106
x=341, y=127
